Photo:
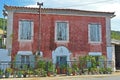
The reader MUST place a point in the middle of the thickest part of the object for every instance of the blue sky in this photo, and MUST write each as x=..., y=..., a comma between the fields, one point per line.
x=94, y=5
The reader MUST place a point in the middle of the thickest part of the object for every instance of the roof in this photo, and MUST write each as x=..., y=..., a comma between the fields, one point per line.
x=117, y=42
x=54, y=10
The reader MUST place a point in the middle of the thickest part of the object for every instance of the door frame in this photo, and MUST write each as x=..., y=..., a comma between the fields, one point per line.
x=60, y=51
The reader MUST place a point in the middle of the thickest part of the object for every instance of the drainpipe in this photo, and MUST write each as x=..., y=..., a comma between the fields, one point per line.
x=39, y=27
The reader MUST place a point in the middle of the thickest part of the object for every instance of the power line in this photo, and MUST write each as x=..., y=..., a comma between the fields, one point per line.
x=89, y=3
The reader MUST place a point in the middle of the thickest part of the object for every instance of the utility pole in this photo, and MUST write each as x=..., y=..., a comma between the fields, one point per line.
x=39, y=27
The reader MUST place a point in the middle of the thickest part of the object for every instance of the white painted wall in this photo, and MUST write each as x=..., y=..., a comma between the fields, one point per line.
x=4, y=57
x=111, y=57
x=9, y=30
x=108, y=31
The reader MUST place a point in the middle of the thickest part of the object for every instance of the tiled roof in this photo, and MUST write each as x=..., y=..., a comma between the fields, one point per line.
x=56, y=9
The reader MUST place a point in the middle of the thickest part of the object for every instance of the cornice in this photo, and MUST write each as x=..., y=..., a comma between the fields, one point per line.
x=58, y=11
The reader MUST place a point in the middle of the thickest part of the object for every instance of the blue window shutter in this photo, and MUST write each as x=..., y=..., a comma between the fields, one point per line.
x=18, y=61
x=32, y=61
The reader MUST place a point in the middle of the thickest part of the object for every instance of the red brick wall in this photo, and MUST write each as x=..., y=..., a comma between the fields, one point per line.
x=78, y=34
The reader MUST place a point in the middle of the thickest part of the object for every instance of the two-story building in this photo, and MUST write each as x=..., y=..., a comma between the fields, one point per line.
x=60, y=34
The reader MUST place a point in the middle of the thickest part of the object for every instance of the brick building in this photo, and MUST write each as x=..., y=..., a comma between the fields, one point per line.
x=64, y=34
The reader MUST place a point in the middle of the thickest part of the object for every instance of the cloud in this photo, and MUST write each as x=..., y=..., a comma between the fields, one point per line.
x=99, y=5
x=34, y=6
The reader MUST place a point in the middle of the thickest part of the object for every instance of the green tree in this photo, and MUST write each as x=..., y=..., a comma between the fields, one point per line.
x=115, y=35
x=2, y=23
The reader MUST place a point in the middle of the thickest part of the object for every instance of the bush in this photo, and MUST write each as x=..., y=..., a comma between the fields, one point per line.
x=8, y=70
x=1, y=72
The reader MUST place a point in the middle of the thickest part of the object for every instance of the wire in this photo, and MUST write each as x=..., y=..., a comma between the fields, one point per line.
x=90, y=3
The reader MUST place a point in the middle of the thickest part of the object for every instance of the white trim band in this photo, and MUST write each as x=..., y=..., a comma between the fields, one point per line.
x=24, y=53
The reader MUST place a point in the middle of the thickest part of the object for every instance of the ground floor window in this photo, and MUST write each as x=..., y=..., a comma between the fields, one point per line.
x=25, y=60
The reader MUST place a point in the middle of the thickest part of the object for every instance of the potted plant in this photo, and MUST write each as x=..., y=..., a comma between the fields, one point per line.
x=1, y=73
x=37, y=72
x=30, y=72
x=63, y=69
x=44, y=74
x=14, y=74
x=54, y=70
x=109, y=70
x=94, y=70
x=74, y=68
x=24, y=71
x=41, y=65
x=58, y=69
x=8, y=71
x=50, y=68
x=19, y=73
x=69, y=71
x=102, y=71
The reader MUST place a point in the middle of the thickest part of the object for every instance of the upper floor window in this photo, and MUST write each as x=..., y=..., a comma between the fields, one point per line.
x=94, y=32
x=25, y=29
x=61, y=31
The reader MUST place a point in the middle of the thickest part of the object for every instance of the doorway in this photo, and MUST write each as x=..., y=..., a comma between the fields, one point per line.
x=61, y=55
x=61, y=60
x=117, y=56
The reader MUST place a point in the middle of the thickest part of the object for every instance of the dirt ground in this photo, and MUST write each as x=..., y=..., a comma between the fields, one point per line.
x=59, y=77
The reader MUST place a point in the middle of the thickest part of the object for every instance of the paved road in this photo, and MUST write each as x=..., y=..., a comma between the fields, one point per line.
x=115, y=76
x=95, y=78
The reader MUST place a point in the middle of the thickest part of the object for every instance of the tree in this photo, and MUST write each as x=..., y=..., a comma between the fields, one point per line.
x=115, y=35
x=2, y=23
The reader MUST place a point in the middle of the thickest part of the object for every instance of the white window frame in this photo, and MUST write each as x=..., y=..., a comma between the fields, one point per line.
x=32, y=27
x=100, y=35
x=63, y=41
x=95, y=53
x=25, y=59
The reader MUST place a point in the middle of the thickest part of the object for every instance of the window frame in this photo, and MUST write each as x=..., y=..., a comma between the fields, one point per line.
x=24, y=59
x=95, y=53
x=62, y=41
x=19, y=29
x=100, y=33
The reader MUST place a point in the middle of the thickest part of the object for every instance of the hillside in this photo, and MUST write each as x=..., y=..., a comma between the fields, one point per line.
x=115, y=35
x=2, y=23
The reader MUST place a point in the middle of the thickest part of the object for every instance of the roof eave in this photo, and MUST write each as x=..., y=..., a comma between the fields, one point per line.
x=110, y=14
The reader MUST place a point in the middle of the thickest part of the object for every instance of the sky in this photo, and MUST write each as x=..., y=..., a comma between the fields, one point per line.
x=92, y=5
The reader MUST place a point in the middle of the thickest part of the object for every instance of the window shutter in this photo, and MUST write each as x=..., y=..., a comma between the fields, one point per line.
x=32, y=29
x=100, y=33
x=19, y=30
x=32, y=61
x=89, y=33
x=18, y=61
